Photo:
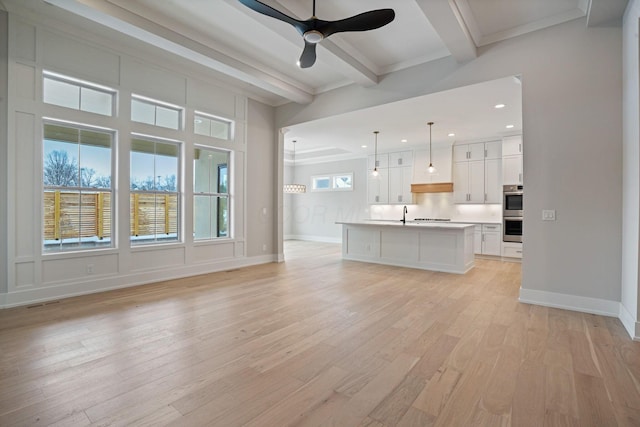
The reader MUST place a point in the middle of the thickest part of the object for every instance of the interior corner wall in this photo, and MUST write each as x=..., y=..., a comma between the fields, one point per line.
x=572, y=130
x=631, y=170
x=4, y=88
x=262, y=155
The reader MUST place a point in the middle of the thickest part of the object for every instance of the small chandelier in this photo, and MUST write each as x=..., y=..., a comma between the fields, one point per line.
x=294, y=188
x=375, y=154
x=431, y=169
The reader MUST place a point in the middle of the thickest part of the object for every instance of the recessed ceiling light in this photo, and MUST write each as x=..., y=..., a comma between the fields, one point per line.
x=499, y=106
x=509, y=126
x=403, y=140
x=452, y=134
x=363, y=146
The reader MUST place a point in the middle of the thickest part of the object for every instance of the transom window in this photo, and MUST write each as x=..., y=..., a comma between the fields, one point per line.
x=154, y=186
x=157, y=113
x=72, y=93
x=332, y=182
x=211, y=193
x=208, y=125
x=78, y=191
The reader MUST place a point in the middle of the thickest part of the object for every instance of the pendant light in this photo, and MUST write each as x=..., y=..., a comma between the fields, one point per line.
x=375, y=154
x=431, y=168
x=294, y=188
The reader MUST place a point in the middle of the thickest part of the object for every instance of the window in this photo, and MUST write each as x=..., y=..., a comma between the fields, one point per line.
x=154, y=184
x=157, y=113
x=208, y=125
x=335, y=182
x=211, y=194
x=78, y=95
x=77, y=200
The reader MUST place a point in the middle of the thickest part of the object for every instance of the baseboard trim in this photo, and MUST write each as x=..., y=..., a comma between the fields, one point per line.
x=629, y=323
x=109, y=283
x=570, y=302
x=309, y=238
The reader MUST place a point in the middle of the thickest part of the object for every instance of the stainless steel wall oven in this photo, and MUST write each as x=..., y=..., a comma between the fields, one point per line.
x=512, y=229
x=512, y=200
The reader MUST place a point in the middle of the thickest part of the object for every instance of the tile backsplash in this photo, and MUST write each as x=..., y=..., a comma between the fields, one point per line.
x=438, y=205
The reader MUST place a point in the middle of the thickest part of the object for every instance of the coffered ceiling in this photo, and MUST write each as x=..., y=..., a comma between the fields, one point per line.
x=259, y=53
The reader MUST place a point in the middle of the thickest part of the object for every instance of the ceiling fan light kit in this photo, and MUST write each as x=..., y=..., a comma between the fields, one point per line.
x=314, y=30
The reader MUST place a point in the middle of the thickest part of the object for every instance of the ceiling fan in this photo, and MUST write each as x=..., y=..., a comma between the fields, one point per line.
x=314, y=30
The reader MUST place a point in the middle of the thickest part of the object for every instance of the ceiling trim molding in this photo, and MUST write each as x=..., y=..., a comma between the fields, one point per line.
x=450, y=25
x=137, y=27
x=605, y=12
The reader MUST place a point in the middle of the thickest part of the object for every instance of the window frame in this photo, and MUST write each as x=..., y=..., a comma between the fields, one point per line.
x=80, y=84
x=135, y=242
x=332, y=177
x=218, y=195
x=211, y=117
x=158, y=104
x=48, y=250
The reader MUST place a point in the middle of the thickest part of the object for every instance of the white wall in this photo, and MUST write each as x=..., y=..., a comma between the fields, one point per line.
x=313, y=215
x=4, y=87
x=36, y=42
x=262, y=158
x=631, y=168
x=572, y=122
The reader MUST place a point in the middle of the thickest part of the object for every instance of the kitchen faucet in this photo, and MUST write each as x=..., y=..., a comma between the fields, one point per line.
x=404, y=212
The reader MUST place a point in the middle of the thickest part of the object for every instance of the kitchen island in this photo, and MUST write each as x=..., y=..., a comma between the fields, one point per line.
x=443, y=247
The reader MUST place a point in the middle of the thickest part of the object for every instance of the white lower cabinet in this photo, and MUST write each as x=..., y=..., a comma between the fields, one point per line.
x=491, y=239
x=512, y=249
x=488, y=239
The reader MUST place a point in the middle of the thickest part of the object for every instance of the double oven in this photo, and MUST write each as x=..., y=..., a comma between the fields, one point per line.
x=512, y=213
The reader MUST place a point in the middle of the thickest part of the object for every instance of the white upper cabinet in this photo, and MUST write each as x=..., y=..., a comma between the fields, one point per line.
x=400, y=159
x=382, y=161
x=393, y=183
x=478, y=173
x=468, y=152
x=378, y=187
x=512, y=160
x=493, y=150
x=441, y=160
x=400, y=185
x=512, y=145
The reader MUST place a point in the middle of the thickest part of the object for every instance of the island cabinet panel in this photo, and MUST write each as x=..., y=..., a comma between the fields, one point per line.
x=359, y=241
x=399, y=246
x=446, y=247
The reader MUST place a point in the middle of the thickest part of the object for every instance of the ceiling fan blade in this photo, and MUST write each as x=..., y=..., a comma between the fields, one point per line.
x=308, y=57
x=362, y=22
x=262, y=8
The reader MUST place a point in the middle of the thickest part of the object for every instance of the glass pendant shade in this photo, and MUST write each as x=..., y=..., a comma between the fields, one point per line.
x=294, y=188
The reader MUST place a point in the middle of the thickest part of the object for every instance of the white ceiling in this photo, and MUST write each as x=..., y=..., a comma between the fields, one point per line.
x=260, y=52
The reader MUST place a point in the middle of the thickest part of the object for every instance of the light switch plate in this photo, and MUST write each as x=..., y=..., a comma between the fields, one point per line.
x=548, y=215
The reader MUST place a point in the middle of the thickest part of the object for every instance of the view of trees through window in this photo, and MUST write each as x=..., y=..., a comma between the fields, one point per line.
x=154, y=191
x=77, y=187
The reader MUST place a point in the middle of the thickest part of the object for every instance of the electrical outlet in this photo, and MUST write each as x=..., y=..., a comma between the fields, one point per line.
x=90, y=268
x=264, y=247
x=549, y=215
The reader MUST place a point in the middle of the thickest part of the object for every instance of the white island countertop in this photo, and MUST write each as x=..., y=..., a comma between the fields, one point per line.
x=438, y=246
x=409, y=223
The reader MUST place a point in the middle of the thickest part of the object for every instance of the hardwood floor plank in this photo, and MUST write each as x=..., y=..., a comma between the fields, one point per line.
x=317, y=341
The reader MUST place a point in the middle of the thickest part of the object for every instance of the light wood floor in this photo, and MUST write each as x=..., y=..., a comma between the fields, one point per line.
x=317, y=341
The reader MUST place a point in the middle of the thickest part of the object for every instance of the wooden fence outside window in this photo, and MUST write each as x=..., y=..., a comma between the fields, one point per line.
x=73, y=215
